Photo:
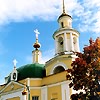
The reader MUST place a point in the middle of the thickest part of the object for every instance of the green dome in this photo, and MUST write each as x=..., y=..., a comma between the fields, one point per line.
x=31, y=71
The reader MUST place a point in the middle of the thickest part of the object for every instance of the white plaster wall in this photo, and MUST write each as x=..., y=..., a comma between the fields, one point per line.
x=44, y=94
x=65, y=91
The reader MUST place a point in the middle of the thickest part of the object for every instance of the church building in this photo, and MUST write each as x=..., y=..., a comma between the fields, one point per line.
x=47, y=81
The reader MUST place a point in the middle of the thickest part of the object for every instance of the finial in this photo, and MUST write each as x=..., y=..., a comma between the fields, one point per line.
x=63, y=6
x=15, y=62
x=24, y=92
x=36, y=44
x=36, y=32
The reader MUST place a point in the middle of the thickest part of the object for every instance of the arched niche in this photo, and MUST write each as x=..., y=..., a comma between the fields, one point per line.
x=75, y=43
x=58, y=69
x=60, y=44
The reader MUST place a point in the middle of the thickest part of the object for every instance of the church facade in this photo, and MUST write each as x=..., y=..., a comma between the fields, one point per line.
x=45, y=81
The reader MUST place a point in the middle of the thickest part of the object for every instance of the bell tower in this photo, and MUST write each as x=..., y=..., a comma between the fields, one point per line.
x=66, y=38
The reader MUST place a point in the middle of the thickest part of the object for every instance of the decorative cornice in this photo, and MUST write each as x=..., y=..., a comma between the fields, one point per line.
x=60, y=31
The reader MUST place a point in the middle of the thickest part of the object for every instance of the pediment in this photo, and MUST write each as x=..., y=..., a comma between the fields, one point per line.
x=12, y=86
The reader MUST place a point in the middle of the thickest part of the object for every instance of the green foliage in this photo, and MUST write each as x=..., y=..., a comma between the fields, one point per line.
x=84, y=72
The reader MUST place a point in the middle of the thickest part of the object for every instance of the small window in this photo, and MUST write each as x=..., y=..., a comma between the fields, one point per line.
x=35, y=98
x=62, y=24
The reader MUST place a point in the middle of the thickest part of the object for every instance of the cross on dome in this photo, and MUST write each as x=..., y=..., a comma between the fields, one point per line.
x=37, y=33
x=15, y=62
x=36, y=44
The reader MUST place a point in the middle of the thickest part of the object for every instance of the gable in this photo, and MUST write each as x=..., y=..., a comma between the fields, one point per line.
x=1, y=87
x=63, y=61
x=12, y=86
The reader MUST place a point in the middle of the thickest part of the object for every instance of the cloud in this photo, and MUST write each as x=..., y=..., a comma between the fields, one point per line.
x=93, y=3
x=20, y=10
x=86, y=12
x=96, y=25
x=90, y=17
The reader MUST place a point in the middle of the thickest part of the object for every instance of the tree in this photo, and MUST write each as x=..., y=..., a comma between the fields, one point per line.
x=84, y=72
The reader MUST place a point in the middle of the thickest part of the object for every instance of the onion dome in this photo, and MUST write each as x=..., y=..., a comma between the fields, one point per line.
x=36, y=44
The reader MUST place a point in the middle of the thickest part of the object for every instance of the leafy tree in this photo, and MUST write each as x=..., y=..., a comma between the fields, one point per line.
x=84, y=73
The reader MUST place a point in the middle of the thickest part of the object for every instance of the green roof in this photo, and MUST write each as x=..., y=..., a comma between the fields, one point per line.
x=35, y=70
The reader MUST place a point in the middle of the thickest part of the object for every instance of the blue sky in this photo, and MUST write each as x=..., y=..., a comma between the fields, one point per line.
x=19, y=19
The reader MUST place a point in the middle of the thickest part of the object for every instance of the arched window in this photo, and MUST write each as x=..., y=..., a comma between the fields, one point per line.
x=58, y=69
x=75, y=43
x=60, y=44
x=62, y=24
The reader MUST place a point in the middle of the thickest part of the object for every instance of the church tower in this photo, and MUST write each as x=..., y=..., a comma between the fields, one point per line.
x=66, y=43
x=66, y=38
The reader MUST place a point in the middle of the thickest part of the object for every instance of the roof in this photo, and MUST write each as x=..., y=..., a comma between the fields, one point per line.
x=64, y=14
x=35, y=70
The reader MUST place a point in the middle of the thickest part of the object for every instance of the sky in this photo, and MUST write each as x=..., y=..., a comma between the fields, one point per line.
x=19, y=19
